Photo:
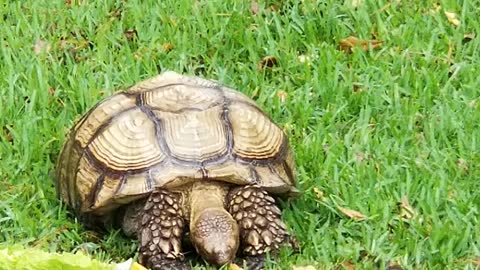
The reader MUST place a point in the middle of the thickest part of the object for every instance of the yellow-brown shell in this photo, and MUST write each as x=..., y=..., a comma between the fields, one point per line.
x=166, y=132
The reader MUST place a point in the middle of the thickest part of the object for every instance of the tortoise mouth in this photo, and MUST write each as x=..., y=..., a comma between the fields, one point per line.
x=221, y=258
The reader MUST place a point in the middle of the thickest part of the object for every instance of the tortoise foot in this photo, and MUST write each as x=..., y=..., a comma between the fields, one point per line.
x=252, y=262
x=261, y=227
x=161, y=229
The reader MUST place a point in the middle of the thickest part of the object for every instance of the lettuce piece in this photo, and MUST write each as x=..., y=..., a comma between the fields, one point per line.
x=35, y=259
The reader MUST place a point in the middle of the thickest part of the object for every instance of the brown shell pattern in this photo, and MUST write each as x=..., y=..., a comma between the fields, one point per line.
x=165, y=132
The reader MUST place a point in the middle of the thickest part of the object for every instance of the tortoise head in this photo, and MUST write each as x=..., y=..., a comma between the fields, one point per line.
x=215, y=236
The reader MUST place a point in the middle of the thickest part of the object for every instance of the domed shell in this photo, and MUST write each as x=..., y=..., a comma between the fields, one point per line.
x=166, y=132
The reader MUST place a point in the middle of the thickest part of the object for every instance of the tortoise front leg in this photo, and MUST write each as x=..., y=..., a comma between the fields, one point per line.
x=259, y=219
x=161, y=229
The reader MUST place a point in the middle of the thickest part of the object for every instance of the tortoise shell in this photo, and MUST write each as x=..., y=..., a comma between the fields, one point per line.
x=166, y=132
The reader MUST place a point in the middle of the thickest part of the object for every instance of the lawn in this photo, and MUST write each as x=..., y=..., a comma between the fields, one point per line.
x=391, y=131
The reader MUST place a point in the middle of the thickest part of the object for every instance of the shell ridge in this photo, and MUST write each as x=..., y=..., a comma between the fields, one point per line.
x=92, y=197
x=122, y=184
x=105, y=124
x=158, y=125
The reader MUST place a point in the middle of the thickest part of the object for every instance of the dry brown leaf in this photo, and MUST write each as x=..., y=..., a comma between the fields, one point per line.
x=116, y=13
x=346, y=266
x=306, y=267
x=476, y=261
x=355, y=215
x=41, y=46
x=436, y=8
x=468, y=37
x=233, y=266
x=394, y=266
x=282, y=95
x=318, y=194
x=130, y=34
x=273, y=8
x=167, y=46
x=406, y=210
x=267, y=62
x=8, y=134
x=51, y=91
x=347, y=44
x=357, y=87
x=452, y=18
x=73, y=2
x=254, y=8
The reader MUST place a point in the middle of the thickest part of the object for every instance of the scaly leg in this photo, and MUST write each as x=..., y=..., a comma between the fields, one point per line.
x=161, y=229
x=259, y=219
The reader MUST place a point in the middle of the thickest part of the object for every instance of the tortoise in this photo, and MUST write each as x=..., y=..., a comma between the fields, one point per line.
x=175, y=155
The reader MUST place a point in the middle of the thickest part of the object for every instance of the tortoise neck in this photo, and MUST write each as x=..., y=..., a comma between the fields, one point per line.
x=207, y=195
x=213, y=231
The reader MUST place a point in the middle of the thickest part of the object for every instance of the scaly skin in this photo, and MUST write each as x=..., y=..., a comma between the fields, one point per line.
x=221, y=220
x=161, y=229
x=261, y=227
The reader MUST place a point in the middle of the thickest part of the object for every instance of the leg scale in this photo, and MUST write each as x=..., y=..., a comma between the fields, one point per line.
x=160, y=233
x=261, y=227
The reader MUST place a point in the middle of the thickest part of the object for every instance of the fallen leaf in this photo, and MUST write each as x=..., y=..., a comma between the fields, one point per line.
x=357, y=87
x=41, y=46
x=306, y=267
x=233, y=266
x=436, y=8
x=116, y=13
x=318, y=194
x=51, y=91
x=346, y=266
x=167, y=46
x=406, y=210
x=468, y=37
x=394, y=266
x=267, y=62
x=476, y=262
x=130, y=34
x=347, y=44
x=452, y=18
x=8, y=133
x=355, y=215
x=282, y=95
x=273, y=8
x=254, y=8
x=74, y=2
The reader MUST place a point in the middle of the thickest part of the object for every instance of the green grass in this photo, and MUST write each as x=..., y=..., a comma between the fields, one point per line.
x=413, y=130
